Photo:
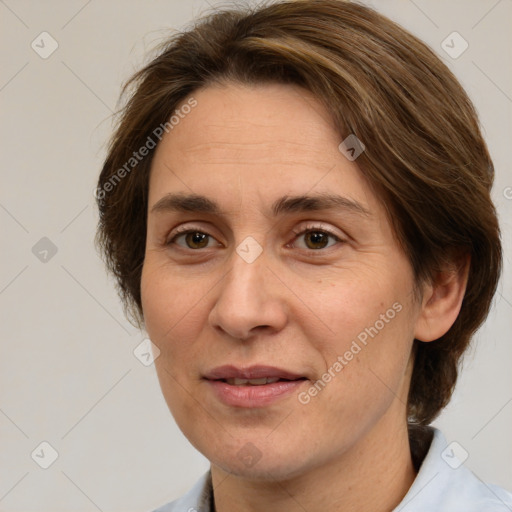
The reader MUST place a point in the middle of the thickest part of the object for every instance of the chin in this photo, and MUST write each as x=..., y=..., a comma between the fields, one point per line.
x=266, y=464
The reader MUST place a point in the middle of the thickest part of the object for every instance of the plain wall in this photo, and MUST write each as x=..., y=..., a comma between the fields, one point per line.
x=68, y=375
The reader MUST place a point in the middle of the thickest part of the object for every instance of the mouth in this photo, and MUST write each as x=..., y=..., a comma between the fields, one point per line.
x=257, y=382
x=256, y=386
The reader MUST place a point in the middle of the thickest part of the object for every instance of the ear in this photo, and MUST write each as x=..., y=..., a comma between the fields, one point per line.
x=442, y=300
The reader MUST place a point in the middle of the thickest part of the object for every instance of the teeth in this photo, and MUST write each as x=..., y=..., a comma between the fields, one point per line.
x=251, y=382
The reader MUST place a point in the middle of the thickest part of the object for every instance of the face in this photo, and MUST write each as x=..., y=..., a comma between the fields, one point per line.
x=273, y=286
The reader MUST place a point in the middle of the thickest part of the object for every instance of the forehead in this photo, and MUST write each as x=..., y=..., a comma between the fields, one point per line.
x=259, y=142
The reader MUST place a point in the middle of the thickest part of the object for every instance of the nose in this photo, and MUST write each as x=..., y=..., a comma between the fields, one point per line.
x=250, y=300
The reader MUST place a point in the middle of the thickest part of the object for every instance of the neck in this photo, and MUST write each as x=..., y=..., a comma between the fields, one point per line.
x=373, y=475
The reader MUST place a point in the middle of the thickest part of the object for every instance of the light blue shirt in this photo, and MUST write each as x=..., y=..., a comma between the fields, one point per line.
x=442, y=484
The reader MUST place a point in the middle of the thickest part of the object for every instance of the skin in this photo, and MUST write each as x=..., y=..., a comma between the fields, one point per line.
x=294, y=307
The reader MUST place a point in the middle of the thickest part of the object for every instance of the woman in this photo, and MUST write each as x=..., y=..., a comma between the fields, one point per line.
x=296, y=205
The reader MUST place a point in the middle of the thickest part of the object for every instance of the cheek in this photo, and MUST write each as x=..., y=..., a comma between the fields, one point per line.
x=366, y=342
x=171, y=318
x=374, y=360
x=349, y=308
x=171, y=311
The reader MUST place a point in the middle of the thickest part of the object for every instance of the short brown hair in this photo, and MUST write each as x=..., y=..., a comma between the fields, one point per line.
x=425, y=156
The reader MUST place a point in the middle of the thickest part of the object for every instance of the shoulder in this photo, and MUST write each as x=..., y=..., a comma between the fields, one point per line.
x=444, y=484
x=198, y=499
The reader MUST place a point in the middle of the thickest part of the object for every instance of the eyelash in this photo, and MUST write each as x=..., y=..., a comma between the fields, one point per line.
x=308, y=229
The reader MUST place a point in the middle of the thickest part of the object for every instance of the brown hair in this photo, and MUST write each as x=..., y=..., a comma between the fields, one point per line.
x=425, y=156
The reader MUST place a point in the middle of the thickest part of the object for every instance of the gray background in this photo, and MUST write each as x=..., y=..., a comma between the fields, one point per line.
x=68, y=375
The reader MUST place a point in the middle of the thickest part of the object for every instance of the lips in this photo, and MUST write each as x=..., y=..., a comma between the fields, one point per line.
x=252, y=373
x=256, y=386
x=251, y=382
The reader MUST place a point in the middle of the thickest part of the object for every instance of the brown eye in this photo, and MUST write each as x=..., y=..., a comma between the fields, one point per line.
x=316, y=239
x=196, y=240
x=193, y=239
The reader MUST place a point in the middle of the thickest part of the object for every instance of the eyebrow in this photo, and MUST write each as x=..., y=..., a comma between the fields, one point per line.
x=195, y=203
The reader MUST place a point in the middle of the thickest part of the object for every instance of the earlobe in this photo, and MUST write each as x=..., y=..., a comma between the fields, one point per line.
x=442, y=300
